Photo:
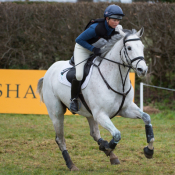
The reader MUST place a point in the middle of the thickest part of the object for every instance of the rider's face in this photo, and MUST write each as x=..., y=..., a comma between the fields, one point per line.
x=113, y=22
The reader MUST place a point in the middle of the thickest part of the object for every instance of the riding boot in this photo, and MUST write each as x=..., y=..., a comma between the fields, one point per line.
x=75, y=90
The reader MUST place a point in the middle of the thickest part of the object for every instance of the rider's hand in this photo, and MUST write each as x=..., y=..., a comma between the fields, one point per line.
x=118, y=27
x=96, y=51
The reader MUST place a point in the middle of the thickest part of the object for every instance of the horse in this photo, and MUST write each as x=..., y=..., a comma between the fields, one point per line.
x=108, y=93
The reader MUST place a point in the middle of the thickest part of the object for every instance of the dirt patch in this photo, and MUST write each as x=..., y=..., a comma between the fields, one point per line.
x=150, y=110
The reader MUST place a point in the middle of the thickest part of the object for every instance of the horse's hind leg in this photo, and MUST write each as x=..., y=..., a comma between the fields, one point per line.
x=56, y=112
x=95, y=133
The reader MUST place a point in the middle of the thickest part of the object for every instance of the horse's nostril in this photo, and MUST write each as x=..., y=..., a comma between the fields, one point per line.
x=140, y=69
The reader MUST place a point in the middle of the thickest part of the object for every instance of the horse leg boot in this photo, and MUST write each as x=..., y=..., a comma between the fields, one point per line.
x=103, y=145
x=75, y=90
x=149, y=150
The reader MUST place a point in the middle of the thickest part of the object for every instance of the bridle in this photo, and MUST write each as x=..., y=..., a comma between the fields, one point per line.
x=129, y=61
x=124, y=49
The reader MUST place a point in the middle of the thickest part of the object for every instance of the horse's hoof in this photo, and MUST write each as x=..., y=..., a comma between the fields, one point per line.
x=148, y=152
x=114, y=161
x=74, y=168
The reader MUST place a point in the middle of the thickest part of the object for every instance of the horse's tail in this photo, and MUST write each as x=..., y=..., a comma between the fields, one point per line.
x=40, y=88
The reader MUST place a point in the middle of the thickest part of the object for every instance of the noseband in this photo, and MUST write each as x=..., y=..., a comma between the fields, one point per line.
x=129, y=61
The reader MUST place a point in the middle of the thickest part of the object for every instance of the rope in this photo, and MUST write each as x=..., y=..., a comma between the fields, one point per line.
x=159, y=87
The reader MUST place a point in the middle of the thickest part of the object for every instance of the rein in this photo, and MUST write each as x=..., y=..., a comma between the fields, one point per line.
x=124, y=94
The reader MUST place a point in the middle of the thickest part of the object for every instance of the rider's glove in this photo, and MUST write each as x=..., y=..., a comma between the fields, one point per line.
x=118, y=27
x=96, y=51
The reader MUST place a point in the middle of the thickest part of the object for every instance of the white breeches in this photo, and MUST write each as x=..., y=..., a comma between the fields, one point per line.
x=80, y=54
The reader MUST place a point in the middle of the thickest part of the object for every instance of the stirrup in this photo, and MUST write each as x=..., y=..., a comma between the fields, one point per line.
x=74, y=107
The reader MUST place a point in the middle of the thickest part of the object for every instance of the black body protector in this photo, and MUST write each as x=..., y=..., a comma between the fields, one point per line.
x=100, y=30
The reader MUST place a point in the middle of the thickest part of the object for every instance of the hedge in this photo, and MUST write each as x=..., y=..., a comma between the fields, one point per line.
x=35, y=35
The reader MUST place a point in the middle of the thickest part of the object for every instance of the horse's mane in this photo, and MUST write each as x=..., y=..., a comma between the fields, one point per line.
x=107, y=45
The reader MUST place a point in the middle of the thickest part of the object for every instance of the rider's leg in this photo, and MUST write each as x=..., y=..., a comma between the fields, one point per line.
x=75, y=90
x=80, y=54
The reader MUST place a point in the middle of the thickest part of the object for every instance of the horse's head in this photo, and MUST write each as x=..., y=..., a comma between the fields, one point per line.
x=132, y=52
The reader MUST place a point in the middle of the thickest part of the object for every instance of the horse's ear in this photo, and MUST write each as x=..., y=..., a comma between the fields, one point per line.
x=121, y=32
x=140, y=32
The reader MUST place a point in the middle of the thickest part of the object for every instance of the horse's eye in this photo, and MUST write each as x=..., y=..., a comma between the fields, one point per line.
x=129, y=48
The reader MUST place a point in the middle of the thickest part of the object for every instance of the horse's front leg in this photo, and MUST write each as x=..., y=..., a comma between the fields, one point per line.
x=95, y=133
x=104, y=120
x=133, y=111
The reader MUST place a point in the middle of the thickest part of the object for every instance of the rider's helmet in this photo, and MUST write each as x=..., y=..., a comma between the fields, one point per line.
x=113, y=11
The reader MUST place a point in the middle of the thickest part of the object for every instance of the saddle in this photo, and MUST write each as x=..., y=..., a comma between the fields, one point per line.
x=71, y=73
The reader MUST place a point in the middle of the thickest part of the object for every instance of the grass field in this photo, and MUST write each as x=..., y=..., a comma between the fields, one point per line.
x=27, y=146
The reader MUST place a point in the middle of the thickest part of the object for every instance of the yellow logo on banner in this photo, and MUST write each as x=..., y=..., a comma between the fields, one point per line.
x=18, y=91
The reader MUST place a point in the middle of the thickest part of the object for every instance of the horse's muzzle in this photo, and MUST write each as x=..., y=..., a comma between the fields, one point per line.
x=141, y=72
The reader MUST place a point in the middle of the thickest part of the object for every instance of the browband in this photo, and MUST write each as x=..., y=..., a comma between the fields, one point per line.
x=130, y=40
x=126, y=36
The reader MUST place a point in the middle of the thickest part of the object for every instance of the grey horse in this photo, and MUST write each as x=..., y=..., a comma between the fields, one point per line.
x=109, y=92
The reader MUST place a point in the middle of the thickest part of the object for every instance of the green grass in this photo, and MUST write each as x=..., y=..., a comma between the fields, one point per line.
x=27, y=146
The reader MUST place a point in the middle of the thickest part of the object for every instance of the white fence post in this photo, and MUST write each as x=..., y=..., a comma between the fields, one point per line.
x=141, y=92
x=141, y=96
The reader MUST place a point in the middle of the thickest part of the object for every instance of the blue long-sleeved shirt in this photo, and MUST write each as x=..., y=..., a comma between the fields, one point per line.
x=90, y=33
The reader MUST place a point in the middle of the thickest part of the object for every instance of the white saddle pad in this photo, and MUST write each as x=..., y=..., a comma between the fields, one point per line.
x=63, y=79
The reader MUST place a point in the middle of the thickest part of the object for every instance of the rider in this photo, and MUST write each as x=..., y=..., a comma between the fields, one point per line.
x=84, y=48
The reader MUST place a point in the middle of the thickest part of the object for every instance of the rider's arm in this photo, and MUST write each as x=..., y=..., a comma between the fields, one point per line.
x=85, y=36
